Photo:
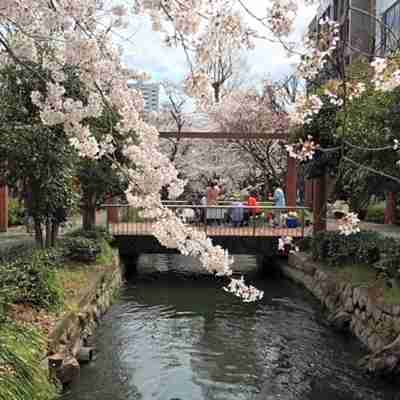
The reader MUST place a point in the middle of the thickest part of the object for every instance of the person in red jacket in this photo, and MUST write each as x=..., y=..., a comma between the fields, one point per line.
x=253, y=202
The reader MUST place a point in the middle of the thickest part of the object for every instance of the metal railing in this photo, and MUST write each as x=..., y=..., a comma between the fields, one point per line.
x=218, y=220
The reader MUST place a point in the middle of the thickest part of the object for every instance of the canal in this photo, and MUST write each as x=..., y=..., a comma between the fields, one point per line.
x=175, y=338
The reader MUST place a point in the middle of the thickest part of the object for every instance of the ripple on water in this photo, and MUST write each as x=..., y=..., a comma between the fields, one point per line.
x=180, y=339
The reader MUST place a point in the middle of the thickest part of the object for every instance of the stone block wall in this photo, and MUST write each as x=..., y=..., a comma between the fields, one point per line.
x=356, y=309
x=71, y=342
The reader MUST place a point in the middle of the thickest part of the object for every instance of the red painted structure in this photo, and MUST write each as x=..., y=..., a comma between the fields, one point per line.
x=291, y=182
x=291, y=176
x=391, y=206
x=319, y=204
x=224, y=135
x=3, y=208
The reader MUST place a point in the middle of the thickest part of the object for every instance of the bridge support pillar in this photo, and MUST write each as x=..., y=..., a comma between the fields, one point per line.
x=3, y=208
x=390, y=210
x=291, y=182
x=319, y=204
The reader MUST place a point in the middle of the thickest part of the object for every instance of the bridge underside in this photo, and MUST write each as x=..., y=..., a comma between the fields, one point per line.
x=133, y=246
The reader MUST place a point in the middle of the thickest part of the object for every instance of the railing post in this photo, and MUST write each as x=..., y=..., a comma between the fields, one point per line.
x=205, y=219
x=254, y=224
x=302, y=221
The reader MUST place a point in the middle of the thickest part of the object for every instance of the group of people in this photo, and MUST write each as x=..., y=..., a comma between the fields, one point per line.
x=239, y=212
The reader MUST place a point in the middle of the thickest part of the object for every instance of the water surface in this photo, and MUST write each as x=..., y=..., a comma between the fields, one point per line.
x=174, y=338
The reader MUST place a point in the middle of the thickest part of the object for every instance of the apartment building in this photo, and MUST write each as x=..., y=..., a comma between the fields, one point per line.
x=358, y=24
x=388, y=32
x=151, y=95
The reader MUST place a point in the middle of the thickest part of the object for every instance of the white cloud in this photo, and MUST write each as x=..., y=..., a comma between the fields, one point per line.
x=148, y=52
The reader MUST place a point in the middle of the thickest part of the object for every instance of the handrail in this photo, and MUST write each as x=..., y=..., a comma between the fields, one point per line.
x=214, y=206
x=219, y=220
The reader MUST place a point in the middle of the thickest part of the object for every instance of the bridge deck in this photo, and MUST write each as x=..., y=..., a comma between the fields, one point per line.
x=145, y=229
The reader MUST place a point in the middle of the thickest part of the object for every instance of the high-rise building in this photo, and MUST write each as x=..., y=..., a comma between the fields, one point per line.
x=357, y=22
x=151, y=95
x=388, y=32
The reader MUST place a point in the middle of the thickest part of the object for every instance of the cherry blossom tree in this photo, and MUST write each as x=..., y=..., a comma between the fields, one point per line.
x=247, y=111
x=79, y=33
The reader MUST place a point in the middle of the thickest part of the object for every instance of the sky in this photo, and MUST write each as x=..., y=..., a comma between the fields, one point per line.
x=151, y=55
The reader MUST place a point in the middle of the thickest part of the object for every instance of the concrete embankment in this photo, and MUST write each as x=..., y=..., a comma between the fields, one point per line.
x=70, y=343
x=359, y=310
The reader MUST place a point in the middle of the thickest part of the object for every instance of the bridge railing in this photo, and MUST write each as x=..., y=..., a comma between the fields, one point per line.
x=218, y=220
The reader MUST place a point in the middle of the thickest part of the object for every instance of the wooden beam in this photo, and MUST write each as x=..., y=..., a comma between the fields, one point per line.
x=225, y=135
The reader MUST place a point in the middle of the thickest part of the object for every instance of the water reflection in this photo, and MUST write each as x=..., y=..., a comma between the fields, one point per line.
x=181, y=339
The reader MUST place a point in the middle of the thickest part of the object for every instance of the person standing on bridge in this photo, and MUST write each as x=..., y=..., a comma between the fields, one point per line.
x=252, y=202
x=237, y=211
x=279, y=201
x=213, y=192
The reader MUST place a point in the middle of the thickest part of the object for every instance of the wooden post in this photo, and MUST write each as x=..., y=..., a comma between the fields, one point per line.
x=291, y=182
x=112, y=215
x=319, y=204
x=390, y=210
x=308, y=193
x=3, y=208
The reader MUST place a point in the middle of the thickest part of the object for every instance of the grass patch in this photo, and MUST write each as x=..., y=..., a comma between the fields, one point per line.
x=77, y=277
x=21, y=376
x=357, y=274
x=391, y=295
x=106, y=255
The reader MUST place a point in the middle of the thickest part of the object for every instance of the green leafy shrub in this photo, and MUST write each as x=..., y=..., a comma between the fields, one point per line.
x=16, y=212
x=82, y=249
x=32, y=280
x=21, y=376
x=304, y=244
x=389, y=262
x=98, y=233
x=376, y=213
x=335, y=249
x=9, y=253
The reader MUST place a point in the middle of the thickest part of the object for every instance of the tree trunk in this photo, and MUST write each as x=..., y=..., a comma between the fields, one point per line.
x=39, y=234
x=48, y=234
x=216, y=87
x=89, y=217
x=54, y=233
x=3, y=208
x=89, y=212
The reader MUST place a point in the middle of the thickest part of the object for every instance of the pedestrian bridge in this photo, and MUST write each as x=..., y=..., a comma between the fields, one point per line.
x=256, y=233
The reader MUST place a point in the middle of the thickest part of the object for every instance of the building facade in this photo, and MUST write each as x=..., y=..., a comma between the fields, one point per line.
x=358, y=25
x=388, y=32
x=151, y=95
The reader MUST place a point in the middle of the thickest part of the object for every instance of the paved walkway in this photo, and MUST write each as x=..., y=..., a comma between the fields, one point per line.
x=392, y=231
x=18, y=234
x=14, y=235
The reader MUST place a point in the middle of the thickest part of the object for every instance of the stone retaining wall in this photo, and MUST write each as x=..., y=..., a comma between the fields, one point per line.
x=71, y=341
x=357, y=309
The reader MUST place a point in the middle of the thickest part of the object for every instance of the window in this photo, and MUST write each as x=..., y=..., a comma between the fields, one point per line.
x=390, y=31
x=335, y=10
